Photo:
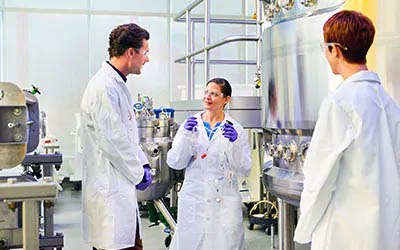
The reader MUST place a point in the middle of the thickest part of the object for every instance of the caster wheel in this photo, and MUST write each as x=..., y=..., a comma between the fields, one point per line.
x=167, y=241
x=78, y=186
x=251, y=227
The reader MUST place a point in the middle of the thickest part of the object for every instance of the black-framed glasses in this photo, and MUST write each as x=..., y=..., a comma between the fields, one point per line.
x=325, y=45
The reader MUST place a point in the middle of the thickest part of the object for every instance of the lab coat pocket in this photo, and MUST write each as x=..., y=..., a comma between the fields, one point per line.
x=187, y=211
x=232, y=211
x=232, y=229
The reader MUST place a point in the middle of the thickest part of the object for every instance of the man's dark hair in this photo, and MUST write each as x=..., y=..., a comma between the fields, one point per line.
x=226, y=88
x=126, y=36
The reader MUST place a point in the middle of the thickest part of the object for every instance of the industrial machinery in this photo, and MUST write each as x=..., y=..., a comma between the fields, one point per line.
x=295, y=79
x=156, y=130
x=22, y=194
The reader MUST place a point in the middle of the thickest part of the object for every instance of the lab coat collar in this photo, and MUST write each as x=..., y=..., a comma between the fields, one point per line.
x=202, y=130
x=362, y=76
x=112, y=72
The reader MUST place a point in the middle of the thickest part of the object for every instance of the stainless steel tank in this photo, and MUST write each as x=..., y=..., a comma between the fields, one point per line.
x=156, y=133
x=296, y=77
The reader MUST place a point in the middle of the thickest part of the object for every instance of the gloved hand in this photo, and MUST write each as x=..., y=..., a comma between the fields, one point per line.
x=146, y=181
x=190, y=123
x=230, y=132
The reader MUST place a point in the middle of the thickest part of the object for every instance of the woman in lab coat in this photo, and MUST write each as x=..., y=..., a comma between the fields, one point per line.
x=214, y=150
x=351, y=190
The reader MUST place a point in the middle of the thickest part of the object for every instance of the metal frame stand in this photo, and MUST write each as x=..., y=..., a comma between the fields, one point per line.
x=285, y=225
x=29, y=193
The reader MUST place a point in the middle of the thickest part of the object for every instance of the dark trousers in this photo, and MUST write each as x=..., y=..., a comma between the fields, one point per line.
x=138, y=242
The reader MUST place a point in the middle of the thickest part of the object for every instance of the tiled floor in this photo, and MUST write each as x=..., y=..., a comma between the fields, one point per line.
x=68, y=221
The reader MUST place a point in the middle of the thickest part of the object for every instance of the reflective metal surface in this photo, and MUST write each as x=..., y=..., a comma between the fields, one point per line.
x=295, y=74
x=285, y=178
x=33, y=121
x=12, y=125
x=244, y=109
x=155, y=140
x=296, y=78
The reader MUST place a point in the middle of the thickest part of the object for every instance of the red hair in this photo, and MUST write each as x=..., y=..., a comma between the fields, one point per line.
x=352, y=30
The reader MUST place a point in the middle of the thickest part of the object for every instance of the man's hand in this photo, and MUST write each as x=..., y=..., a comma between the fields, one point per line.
x=146, y=181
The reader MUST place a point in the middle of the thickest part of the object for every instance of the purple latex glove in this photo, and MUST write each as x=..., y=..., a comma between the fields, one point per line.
x=146, y=181
x=230, y=132
x=190, y=123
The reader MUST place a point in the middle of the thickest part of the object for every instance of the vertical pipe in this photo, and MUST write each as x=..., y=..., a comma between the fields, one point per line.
x=259, y=12
x=285, y=225
x=2, y=40
x=192, y=64
x=30, y=225
x=188, y=59
x=48, y=206
x=206, y=39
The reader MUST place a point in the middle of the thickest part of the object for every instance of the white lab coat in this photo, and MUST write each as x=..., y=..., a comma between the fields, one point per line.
x=209, y=205
x=112, y=162
x=351, y=196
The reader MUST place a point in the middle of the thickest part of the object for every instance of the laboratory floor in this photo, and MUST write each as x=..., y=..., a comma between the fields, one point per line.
x=68, y=219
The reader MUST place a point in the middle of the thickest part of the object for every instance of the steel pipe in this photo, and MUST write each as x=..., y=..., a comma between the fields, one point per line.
x=226, y=40
x=164, y=211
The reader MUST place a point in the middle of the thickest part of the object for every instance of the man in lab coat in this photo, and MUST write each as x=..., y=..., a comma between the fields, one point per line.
x=114, y=165
x=351, y=196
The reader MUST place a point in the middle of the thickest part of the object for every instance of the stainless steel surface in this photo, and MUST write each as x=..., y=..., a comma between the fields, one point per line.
x=156, y=140
x=12, y=138
x=33, y=118
x=220, y=20
x=285, y=225
x=29, y=193
x=30, y=222
x=227, y=61
x=191, y=6
x=277, y=11
x=244, y=109
x=206, y=39
x=285, y=178
x=27, y=190
x=295, y=74
x=189, y=59
x=164, y=211
x=219, y=43
x=259, y=11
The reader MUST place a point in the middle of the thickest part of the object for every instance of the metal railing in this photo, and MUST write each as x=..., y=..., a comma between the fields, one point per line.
x=190, y=28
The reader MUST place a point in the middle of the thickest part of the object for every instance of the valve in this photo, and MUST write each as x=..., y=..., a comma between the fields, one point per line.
x=286, y=4
x=280, y=149
x=309, y=3
x=290, y=153
x=12, y=206
x=271, y=149
x=303, y=151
